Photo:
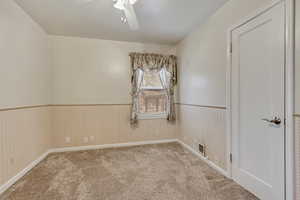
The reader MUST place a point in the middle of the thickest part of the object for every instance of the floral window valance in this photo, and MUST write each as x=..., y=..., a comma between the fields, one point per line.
x=166, y=66
x=155, y=62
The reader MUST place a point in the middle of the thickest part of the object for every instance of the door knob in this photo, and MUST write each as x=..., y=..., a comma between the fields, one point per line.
x=276, y=120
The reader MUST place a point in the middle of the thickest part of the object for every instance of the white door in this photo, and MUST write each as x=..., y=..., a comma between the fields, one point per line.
x=258, y=68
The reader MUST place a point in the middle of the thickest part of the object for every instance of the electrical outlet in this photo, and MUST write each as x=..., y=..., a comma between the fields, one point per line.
x=85, y=139
x=68, y=140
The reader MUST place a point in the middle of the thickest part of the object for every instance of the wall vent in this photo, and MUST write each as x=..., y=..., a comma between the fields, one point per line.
x=202, y=149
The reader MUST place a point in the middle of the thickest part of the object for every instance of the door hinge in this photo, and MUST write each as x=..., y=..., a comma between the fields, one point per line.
x=230, y=48
x=230, y=157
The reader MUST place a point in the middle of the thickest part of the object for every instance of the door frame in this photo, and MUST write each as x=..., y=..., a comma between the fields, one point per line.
x=289, y=91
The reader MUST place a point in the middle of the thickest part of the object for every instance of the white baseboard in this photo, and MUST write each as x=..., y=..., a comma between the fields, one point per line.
x=105, y=146
x=17, y=177
x=210, y=163
x=14, y=179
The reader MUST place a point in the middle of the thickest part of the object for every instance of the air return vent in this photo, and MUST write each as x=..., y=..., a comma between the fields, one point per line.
x=202, y=149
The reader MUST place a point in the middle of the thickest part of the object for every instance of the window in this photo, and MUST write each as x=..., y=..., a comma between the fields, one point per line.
x=154, y=77
x=152, y=98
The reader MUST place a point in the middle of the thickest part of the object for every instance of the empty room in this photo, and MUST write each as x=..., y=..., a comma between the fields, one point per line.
x=150, y=100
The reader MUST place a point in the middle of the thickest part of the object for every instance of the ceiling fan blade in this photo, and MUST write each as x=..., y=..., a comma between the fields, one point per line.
x=131, y=16
x=82, y=2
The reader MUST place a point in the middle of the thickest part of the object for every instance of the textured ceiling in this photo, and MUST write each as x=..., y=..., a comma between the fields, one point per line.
x=161, y=21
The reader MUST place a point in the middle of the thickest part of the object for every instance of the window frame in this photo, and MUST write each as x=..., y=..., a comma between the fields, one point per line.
x=152, y=116
x=147, y=116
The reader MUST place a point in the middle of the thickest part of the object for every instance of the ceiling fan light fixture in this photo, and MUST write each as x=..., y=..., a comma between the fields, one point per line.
x=129, y=17
x=120, y=4
x=133, y=1
x=124, y=20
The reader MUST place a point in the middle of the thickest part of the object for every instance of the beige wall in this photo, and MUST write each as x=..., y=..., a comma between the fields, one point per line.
x=297, y=57
x=203, y=59
x=297, y=99
x=203, y=55
x=297, y=150
x=204, y=126
x=24, y=63
x=24, y=81
x=24, y=136
x=93, y=71
x=104, y=124
x=80, y=71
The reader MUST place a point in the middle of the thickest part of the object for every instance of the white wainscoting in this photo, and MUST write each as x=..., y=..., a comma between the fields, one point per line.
x=24, y=137
x=26, y=134
x=204, y=125
x=87, y=125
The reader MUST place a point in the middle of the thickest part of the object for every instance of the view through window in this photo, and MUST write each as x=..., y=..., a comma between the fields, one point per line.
x=152, y=98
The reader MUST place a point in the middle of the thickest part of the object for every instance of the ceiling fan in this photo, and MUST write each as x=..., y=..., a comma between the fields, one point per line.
x=130, y=17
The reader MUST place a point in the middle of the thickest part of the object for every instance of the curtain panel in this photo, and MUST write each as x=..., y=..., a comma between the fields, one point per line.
x=167, y=65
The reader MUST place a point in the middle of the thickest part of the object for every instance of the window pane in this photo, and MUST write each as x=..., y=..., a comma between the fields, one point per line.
x=152, y=102
x=151, y=80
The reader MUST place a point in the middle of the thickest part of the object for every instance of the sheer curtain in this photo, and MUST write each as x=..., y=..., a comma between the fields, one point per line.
x=166, y=80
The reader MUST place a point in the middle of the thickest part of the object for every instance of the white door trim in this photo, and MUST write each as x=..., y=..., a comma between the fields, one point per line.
x=289, y=96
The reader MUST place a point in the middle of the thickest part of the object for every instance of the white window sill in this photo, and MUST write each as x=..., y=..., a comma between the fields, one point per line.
x=152, y=116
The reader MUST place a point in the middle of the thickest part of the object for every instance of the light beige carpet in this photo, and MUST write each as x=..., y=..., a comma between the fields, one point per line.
x=151, y=172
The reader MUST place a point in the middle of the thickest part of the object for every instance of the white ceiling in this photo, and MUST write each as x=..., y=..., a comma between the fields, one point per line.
x=161, y=21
